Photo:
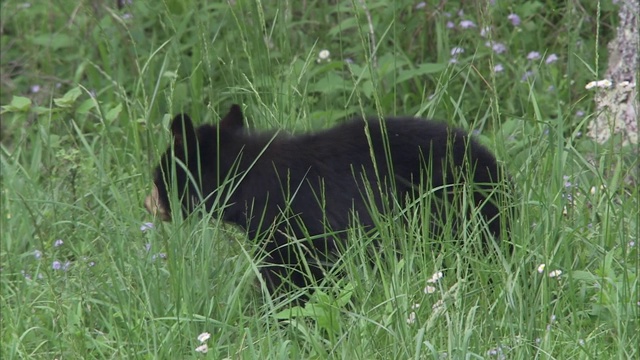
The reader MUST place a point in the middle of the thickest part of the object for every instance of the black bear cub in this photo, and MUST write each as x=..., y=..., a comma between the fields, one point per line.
x=296, y=195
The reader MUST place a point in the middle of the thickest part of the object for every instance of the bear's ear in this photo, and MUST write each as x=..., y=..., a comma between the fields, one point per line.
x=183, y=133
x=234, y=119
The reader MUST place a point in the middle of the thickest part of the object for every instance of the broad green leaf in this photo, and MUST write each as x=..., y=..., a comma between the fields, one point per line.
x=18, y=104
x=69, y=98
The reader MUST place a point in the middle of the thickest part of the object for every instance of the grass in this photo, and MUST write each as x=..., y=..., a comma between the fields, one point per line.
x=88, y=91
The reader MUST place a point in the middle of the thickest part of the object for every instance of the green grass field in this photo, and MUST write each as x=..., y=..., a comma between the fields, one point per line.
x=88, y=90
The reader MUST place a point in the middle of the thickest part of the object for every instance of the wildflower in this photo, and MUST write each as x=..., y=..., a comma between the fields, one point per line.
x=553, y=318
x=632, y=243
x=453, y=61
x=450, y=25
x=421, y=5
x=66, y=266
x=581, y=342
x=526, y=77
x=533, y=55
x=25, y=274
x=37, y=254
x=204, y=337
x=429, y=289
x=541, y=268
x=58, y=243
x=551, y=59
x=580, y=113
x=456, y=50
x=497, y=47
x=514, y=18
x=567, y=183
x=600, y=83
x=202, y=349
x=551, y=88
x=56, y=265
x=555, y=273
x=435, y=277
x=146, y=226
x=323, y=55
x=147, y=247
x=127, y=16
x=412, y=318
x=467, y=24
x=415, y=306
x=498, y=68
x=92, y=263
x=35, y=88
x=485, y=31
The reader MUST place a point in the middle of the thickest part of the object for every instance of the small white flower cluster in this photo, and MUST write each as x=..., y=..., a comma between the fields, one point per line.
x=552, y=274
x=203, y=339
x=429, y=289
x=323, y=56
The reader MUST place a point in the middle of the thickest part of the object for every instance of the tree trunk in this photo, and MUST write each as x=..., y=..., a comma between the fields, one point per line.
x=617, y=105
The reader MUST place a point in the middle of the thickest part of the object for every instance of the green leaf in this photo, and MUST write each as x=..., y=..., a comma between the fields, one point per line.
x=18, y=104
x=69, y=98
x=113, y=113
x=54, y=41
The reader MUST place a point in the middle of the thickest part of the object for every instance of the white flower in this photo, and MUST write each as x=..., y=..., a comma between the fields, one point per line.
x=541, y=268
x=204, y=337
x=600, y=83
x=456, y=50
x=323, y=55
x=412, y=318
x=429, y=289
x=202, y=348
x=435, y=277
x=415, y=306
x=555, y=273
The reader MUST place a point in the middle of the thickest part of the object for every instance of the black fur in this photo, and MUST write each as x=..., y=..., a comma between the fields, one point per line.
x=284, y=189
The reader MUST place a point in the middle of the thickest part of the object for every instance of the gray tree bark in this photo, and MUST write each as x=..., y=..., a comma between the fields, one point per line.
x=617, y=106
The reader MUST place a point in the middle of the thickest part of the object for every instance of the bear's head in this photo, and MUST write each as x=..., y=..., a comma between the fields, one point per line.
x=193, y=163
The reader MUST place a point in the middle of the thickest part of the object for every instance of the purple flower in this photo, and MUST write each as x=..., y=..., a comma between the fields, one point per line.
x=25, y=274
x=497, y=47
x=456, y=50
x=146, y=226
x=534, y=55
x=58, y=242
x=450, y=25
x=37, y=254
x=579, y=113
x=466, y=24
x=453, y=61
x=56, y=265
x=515, y=19
x=498, y=68
x=551, y=59
x=35, y=88
x=566, y=179
x=527, y=75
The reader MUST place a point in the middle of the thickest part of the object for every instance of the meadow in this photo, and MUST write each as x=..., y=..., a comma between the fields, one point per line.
x=88, y=89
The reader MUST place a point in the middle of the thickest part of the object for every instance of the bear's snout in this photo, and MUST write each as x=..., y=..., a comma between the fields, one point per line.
x=155, y=207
